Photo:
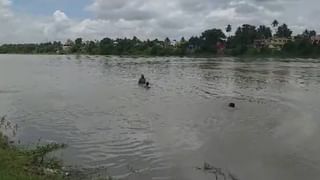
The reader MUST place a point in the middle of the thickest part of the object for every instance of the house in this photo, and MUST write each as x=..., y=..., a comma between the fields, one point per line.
x=261, y=43
x=221, y=46
x=315, y=39
x=67, y=46
x=174, y=42
x=278, y=43
x=275, y=43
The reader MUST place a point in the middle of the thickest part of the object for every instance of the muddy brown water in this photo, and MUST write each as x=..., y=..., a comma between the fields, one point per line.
x=93, y=104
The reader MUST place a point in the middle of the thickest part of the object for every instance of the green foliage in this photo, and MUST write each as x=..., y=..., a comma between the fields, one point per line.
x=302, y=47
x=91, y=47
x=40, y=152
x=50, y=48
x=275, y=23
x=17, y=164
x=77, y=47
x=283, y=31
x=210, y=38
x=241, y=43
x=239, y=50
x=308, y=34
x=244, y=36
x=229, y=28
x=264, y=32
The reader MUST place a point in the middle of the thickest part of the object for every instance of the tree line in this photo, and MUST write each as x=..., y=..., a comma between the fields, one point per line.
x=209, y=42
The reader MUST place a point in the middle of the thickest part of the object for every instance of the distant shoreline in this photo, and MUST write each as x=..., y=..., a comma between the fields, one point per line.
x=200, y=56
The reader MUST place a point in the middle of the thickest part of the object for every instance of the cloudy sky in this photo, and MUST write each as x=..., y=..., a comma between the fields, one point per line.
x=47, y=20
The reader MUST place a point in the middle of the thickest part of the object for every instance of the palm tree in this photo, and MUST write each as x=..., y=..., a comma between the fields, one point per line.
x=167, y=42
x=275, y=23
x=229, y=29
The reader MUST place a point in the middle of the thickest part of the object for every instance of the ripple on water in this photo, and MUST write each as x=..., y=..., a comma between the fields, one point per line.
x=95, y=106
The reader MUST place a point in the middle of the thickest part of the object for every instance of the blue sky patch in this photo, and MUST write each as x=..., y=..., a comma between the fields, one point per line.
x=73, y=8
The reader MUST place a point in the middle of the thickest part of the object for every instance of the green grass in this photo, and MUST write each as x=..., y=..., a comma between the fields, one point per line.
x=19, y=164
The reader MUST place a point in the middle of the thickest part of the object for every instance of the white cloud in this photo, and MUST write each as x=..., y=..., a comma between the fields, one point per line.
x=60, y=16
x=5, y=12
x=153, y=18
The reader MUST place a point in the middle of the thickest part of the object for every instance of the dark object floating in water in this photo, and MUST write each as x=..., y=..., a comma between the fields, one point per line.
x=232, y=105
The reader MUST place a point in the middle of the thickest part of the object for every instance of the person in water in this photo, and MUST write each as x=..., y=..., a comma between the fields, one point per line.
x=142, y=80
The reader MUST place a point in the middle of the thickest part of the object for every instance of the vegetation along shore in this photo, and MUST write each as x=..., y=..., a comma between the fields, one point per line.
x=276, y=40
x=27, y=164
x=37, y=164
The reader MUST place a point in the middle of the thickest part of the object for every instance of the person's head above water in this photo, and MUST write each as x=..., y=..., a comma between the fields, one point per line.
x=147, y=83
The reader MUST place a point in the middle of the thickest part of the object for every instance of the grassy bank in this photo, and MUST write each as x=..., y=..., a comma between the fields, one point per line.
x=19, y=164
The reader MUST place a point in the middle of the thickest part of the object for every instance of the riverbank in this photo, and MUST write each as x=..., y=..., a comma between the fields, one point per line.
x=19, y=164
x=195, y=56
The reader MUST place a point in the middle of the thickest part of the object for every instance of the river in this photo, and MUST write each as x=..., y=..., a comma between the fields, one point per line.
x=94, y=105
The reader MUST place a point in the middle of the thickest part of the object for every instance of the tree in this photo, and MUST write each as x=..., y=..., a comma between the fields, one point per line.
x=90, y=47
x=275, y=23
x=76, y=48
x=243, y=39
x=195, y=41
x=308, y=34
x=264, y=32
x=300, y=47
x=135, y=39
x=283, y=31
x=106, y=46
x=210, y=38
x=229, y=29
x=167, y=42
x=312, y=33
x=208, y=42
x=246, y=34
x=78, y=42
x=183, y=40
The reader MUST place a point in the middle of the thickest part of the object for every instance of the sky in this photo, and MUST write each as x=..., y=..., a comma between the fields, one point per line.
x=28, y=21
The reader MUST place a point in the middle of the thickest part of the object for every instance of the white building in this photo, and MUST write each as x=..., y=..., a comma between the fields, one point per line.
x=315, y=39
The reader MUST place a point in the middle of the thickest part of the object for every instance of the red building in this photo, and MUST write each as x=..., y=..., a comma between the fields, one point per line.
x=221, y=46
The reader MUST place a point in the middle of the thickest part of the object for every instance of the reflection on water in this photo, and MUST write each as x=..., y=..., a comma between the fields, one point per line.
x=93, y=104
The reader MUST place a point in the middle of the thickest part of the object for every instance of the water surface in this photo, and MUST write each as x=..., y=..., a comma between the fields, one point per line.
x=93, y=104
